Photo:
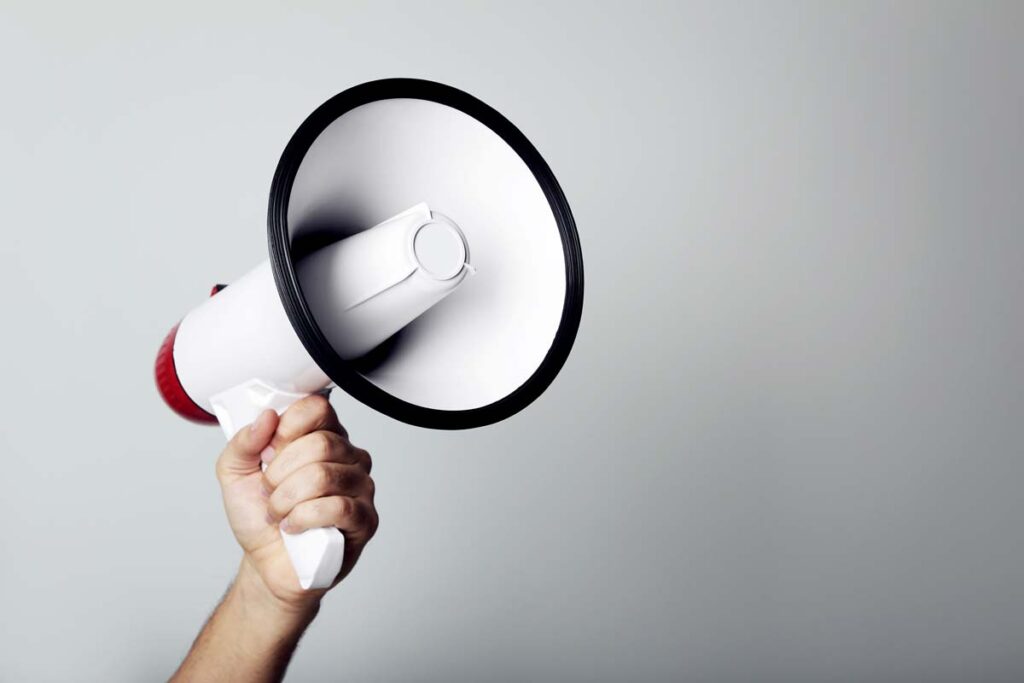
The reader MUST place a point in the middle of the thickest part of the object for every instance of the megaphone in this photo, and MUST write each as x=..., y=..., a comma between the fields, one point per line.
x=423, y=259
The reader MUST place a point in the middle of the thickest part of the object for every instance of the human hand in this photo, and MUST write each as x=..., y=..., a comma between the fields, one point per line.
x=315, y=477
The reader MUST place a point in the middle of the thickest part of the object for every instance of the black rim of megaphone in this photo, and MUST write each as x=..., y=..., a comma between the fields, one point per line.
x=302, y=318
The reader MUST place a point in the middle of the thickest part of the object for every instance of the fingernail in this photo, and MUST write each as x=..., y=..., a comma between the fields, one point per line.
x=264, y=491
x=267, y=454
x=285, y=526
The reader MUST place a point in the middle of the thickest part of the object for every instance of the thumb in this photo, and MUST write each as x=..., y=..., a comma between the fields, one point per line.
x=242, y=454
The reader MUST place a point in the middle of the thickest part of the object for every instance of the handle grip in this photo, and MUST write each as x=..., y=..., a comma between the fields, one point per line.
x=316, y=554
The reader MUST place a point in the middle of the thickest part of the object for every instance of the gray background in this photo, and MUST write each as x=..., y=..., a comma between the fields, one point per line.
x=787, y=446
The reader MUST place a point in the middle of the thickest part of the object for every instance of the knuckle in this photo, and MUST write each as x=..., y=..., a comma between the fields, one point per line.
x=368, y=523
x=365, y=459
x=347, y=507
x=321, y=445
x=321, y=477
x=349, y=479
x=318, y=407
x=314, y=447
x=303, y=417
x=344, y=507
x=360, y=514
x=371, y=487
x=340, y=446
x=331, y=507
x=313, y=510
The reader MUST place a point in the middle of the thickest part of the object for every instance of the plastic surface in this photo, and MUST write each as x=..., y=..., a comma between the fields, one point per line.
x=239, y=334
x=169, y=384
x=316, y=554
x=236, y=354
x=367, y=287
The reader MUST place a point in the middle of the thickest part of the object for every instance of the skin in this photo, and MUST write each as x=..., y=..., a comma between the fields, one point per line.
x=314, y=478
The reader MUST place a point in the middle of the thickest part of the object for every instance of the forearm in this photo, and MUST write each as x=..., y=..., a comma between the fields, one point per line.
x=250, y=636
x=314, y=477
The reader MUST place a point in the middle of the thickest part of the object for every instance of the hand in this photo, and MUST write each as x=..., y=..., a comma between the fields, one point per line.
x=315, y=477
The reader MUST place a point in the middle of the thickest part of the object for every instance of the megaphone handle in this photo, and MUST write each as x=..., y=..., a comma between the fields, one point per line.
x=316, y=554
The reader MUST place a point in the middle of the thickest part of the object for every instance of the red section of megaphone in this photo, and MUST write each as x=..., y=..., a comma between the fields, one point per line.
x=170, y=386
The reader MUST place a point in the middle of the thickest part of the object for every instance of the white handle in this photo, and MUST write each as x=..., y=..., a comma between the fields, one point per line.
x=316, y=554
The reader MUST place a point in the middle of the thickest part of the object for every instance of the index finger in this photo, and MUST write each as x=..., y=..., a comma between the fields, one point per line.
x=310, y=414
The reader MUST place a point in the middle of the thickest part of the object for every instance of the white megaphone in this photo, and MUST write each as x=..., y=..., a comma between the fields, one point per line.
x=370, y=285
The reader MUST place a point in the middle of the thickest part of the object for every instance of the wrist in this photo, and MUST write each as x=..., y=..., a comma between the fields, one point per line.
x=250, y=636
x=264, y=607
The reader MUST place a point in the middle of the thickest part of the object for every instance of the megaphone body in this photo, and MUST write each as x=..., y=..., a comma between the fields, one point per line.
x=484, y=346
x=237, y=353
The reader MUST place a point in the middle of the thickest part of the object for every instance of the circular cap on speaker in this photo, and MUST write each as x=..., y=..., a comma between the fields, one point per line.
x=439, y=249
x=495, y=343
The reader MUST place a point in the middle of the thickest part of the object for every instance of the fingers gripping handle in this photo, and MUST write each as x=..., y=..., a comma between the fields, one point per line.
x=316, y=554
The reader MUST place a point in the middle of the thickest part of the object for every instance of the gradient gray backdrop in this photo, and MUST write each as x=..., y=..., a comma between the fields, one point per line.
x=787, y=447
